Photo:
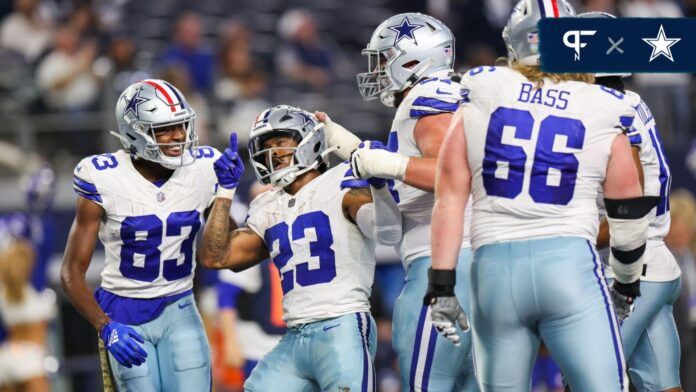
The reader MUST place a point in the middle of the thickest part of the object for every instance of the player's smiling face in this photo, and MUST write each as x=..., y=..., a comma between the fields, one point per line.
x=283, y=149
x=171, y=136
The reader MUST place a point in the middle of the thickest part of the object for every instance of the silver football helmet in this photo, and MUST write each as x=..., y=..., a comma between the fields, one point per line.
x=150, y=104
x=521, y=34
x=299, y=124
x=402, y=50
x=597, y=14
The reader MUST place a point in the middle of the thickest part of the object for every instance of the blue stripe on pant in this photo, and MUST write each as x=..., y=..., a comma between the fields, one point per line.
x=611, y=315
x=178, y=354
x=427, y=361
x=326, y=355
x=544, y=289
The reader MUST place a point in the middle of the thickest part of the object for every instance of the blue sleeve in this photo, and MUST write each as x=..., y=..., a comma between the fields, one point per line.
x=227, y=295
x=443, y=96
x=633, y=134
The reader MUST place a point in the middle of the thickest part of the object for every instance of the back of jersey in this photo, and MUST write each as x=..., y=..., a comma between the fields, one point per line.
x=656, y=173
x=538, y=156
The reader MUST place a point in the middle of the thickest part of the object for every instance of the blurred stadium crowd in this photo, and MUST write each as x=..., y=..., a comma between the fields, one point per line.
x=64, y=62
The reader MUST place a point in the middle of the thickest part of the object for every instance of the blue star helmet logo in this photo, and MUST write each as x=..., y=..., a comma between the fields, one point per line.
x=405, y=30
x=134, y=103
x=307, y=118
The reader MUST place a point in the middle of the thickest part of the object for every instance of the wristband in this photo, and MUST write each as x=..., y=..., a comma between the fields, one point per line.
x=225, y=193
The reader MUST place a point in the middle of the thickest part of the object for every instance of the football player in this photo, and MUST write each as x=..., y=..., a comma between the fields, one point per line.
x=318, y=235
x=410, y=67
x=649, y=335
x=146, y=204
x=533, y=149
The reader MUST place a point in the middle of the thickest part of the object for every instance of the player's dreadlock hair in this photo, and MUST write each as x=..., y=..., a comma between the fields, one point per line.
x=537, y=76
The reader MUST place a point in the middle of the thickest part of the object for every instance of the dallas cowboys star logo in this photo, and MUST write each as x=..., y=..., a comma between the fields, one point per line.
x=307, y=118
x=405, y=30
x=134, y=103
x=661, y=45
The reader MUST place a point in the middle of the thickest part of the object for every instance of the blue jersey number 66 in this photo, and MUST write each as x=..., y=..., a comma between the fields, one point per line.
x=545, y=159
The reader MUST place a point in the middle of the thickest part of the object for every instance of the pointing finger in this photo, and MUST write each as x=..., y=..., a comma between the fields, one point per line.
x=233, y=141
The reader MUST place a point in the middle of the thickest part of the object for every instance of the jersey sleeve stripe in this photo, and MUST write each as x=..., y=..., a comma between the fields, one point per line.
x=422, y=113
x=94, y=197
x=626, y=121
x=84, y=186
x=435, y=103
x=635, y=139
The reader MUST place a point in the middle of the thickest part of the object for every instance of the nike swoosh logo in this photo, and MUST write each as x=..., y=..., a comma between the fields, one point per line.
x=443, y=92
x=328, y=327
x=181, y=306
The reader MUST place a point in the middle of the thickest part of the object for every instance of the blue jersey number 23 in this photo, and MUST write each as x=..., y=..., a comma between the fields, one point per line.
x=545, y=159
x=321, y=248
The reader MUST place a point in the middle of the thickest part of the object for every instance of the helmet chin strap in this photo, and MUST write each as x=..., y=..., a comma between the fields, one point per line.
x=290, y=177
x=120, y=137
x=388, y=97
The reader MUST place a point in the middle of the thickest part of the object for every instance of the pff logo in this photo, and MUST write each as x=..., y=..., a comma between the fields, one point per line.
x=573, y=39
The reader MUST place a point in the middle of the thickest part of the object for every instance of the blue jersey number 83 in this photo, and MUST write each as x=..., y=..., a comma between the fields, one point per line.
x=144, y=234
x=545, y=159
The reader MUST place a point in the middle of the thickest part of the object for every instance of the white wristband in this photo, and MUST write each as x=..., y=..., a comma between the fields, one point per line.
x=225, y=193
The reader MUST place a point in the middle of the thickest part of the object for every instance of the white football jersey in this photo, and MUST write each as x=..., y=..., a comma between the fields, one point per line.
x=434, y=94
x=538, y=157
x=326, y=264
x=149, y=231
x=660, y=264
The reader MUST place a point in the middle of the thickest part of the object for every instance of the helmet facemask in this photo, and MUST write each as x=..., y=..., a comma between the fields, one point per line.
x=372, y=83
x=263, y=162
x=304, y=157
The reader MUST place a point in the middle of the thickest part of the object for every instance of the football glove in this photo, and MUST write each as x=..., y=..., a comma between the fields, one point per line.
x=445, y=310
x=373, y=159
x=122, y=342
x=229, y=167
x=624, y=298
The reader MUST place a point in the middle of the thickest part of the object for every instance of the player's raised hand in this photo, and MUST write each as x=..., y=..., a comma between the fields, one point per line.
x=624, y=301
x=373, y=159
x=122, y=342
x=445, y=310
x=229, y=167
x=337, y=136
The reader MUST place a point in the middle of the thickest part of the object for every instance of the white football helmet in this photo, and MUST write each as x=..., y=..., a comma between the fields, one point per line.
x=402, y=50
x=150, y=104
x=299, y=124
x=521, y=33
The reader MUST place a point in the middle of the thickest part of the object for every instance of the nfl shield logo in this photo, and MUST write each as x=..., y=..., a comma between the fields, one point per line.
x=160, y=197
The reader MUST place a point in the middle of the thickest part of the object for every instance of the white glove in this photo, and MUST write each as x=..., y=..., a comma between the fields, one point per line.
x=445, y=312
x=371, y=159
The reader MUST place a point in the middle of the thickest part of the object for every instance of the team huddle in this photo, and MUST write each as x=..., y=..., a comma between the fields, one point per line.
x=526, y=207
